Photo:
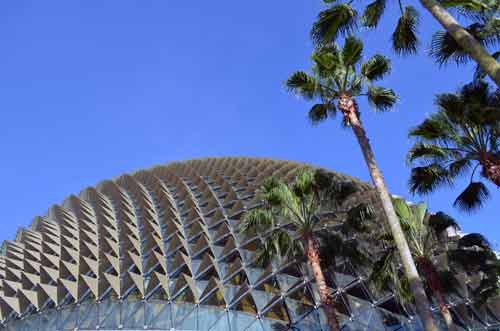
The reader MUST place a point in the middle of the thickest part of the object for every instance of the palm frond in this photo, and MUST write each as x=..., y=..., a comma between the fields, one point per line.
x=303, y=85
x=459, y=167
x=404, y=212
x=257, y=220
x=357, y=217
x=473, y=197
x=337, y=20
x=449, y=103
x=444, y=48
x=430, y=129
x=440, y=221
x=376, y=67
x=426, y=179
x=303, y=184
x=382, y=273
x=404, y=37
x=468, y=5
x=277, y=194
x=320, y=112
x=372, y=14
x=474, y=239
x=327, y=60
x=352, y=51
x=381, y=98
x=278, y=245
x=427, y=152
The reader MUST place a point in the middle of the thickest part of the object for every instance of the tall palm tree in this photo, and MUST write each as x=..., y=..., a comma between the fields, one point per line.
x=291, y=219
x=462, y=136
x=338, y=78
x=342, y=18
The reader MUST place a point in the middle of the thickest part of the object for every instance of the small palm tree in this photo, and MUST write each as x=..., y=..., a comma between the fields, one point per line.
x=338, y=78
x=426, y=235
x=463, y=135
x=291, y=219
x=422, y=232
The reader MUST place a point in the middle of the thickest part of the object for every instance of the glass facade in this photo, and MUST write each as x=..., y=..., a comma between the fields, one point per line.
x=160, y=250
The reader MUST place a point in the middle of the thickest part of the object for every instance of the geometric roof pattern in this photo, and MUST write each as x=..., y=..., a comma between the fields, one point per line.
x=170, y=234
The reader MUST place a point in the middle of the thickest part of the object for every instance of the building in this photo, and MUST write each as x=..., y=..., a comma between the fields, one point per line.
x=159, y=250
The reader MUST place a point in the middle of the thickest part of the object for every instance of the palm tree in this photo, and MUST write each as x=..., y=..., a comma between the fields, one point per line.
x=425, y=233
x=341, y=19
x=291, y=218
x=339, y=77
x=462, y=136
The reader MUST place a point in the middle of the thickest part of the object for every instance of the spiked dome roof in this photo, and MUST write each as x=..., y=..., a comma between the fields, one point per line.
x=167, y=233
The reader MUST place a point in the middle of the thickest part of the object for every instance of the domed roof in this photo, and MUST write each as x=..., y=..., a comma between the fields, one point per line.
x=167, y=234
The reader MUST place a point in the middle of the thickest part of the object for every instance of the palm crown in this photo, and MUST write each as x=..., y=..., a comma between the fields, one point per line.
x=463, y=135
x=291, y=213
x=422, y=231
x=290, y=218
x=341, y=19
x=338, y=72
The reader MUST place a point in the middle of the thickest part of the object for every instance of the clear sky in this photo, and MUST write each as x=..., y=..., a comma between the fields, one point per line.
x=92, y=89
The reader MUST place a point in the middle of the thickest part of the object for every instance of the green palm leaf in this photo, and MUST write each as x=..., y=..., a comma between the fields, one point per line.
x=440, y=221
x=376, y=67
x=352, y=51
x=332, y=22
x=320, y=112
x=302, y=84
x=381, y=98
x=428, y=152
x=372, y=14
x=404, y=37
x=426, y=179
x=473, y=197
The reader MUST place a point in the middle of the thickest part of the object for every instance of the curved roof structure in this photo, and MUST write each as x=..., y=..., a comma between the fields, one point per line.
x=159, y=249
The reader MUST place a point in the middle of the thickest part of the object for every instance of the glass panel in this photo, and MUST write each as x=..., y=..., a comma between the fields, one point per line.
x=48, y=321
x=309, y=323
x=269, y=325
x=297, y=309
x=158, y=315
x=69, y=318
x=184, y=316
x=133, y=315
x=109, y=315
x=208, y=316
x=239, y=321
x=88, y=317
x=256, y=326
x=222, y=324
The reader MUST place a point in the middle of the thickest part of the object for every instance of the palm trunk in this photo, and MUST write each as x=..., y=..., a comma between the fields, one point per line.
x=467, y=41
x=312, y=252
x=435, y=285
x=491, y=168
x=348, y=108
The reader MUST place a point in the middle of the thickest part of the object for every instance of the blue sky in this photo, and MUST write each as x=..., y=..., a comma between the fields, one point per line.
x=92, y=89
